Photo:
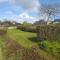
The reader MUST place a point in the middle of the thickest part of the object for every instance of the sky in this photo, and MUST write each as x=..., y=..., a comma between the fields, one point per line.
x=22, y=10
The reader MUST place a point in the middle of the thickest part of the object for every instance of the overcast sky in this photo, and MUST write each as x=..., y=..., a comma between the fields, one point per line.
x=22, y=10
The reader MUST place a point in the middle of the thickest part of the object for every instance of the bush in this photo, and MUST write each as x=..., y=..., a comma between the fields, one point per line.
x=3, y=32
x=48, y=32
x=27, y=28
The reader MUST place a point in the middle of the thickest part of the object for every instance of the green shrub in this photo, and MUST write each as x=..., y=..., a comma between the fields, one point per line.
x=51, y=47
x=3, y=32
x=27, y=28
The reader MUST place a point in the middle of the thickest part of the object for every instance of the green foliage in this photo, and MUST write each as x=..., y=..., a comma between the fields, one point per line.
x=27, y=27
x=51, y=47
x=12, y=52
x=25, y=24
x=21, y=37
x=28, y=50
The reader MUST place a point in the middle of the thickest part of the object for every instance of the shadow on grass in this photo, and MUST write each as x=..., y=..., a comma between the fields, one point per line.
x=39, y=41
x=35, y=39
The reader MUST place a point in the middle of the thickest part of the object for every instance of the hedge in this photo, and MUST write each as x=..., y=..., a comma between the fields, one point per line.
x=48, y=32
x=27, y=28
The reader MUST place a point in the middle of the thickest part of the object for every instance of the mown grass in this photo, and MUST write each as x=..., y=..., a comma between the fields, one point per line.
x=22, y=37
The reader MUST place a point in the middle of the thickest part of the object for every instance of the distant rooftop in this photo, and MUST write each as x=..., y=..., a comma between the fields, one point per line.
x=57, y=20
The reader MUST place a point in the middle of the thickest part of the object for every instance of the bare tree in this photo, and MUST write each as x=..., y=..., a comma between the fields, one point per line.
x=50, y=10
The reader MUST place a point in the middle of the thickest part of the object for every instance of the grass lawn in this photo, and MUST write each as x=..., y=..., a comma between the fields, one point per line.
x=22, y=37
x=1, y=44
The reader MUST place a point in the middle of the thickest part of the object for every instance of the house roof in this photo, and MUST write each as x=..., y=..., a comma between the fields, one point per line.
x=57, y=20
